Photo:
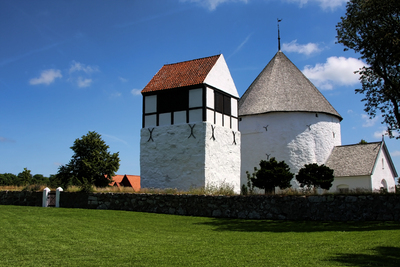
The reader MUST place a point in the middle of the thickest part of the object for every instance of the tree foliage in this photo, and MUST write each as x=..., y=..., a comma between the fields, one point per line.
x=314, y=175
x=25, y=177
x=270, y=175
x=91, y=163
x=372, y=28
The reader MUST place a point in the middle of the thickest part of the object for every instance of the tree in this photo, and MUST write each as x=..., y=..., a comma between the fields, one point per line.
x=270, y=175
x=372, y=28
x=40, y=179
x=363, y=142
x=25, y=177
x=91, y=163
x=9, y=179
x=314, y=175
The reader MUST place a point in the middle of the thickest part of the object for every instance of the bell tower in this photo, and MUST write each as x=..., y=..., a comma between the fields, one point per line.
x=190, y=134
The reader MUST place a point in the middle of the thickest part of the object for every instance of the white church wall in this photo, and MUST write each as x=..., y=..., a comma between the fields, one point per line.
x=298, y=138
x=220, y=77
x=172, y=158
x=353, y=183
x=382, y=171
x=222, y=159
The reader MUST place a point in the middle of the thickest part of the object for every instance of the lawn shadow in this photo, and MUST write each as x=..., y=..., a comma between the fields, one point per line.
x=223, y=224
x=383, y=256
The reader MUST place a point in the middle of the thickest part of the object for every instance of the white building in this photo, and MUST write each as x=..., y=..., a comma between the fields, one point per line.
x=192, y=116
x=190, y=134
x=362, y=166
x=283, y=115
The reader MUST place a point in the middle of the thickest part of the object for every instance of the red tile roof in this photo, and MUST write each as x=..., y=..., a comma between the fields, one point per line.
x=181, y=74
x=126, y=180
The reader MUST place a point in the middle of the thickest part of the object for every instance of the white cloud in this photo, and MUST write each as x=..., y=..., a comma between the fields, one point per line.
x=212, y=4
x=116, y=94
x=122, y=79
x=76, y=66
x=83, y=82
x=114, y=138
x=395, y=153
x=241, y=45
x=46, y=77
x=367, y=121
x=306, y=49
x=6, y=140
x=335, y=71
x=136, y=92
x=324, y=4
x=80, y=74
x=378, y=134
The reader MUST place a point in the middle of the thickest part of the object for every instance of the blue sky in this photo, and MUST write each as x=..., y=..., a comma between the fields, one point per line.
x=72, y=66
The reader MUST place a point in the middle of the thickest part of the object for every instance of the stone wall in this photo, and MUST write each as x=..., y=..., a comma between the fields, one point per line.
x=21, y=198
x=374, y=207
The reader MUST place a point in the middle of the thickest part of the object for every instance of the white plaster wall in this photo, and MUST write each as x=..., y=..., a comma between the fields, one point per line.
x=298, y=138
x=354, y=182
x=382, y=172
x=221, y=78
x=222, y=161
x=174, y=160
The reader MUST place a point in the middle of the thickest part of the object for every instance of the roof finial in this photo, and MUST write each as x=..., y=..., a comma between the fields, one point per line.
x=279, y=36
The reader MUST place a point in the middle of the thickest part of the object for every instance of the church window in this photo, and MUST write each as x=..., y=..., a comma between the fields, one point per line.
x=222, y=103
x=172, y=100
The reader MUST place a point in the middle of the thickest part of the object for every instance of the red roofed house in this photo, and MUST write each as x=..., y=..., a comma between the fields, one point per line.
x=126, y=181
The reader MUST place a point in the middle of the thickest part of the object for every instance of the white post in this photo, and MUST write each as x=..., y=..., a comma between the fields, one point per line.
x=58, y=190
x=46, y=191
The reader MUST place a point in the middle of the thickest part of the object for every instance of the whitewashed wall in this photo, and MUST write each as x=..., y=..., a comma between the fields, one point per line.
x=298, y=138
x=173, y=160
x=353, y=183
x=220, y=77
x=382, y=171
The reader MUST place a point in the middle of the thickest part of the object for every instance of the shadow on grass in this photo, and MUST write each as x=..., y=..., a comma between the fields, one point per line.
x=382, y=256
x=222, y=224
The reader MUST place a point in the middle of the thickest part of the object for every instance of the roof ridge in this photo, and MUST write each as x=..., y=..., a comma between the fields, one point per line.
x=181, y=62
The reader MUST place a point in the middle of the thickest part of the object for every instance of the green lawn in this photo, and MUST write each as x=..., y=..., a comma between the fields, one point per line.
x=35, y=236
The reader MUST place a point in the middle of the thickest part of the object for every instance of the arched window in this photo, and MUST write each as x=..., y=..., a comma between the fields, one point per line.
x=384, y=184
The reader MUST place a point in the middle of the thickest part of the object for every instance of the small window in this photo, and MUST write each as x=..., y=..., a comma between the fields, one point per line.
x=222, y=103
x=172, y=100
x=383, y=164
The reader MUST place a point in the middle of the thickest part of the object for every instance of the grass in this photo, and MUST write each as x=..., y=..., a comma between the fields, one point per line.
x=34, y=236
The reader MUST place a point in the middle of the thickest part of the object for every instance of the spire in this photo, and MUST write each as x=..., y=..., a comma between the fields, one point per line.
x=279, y=36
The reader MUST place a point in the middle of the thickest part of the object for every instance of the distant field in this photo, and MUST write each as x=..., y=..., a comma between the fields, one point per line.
x=34, y=236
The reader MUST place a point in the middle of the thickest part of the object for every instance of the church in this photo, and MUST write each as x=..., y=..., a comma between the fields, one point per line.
x=198, y=131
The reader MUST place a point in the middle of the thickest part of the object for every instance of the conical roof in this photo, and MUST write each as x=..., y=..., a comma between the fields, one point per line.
x=282, y=87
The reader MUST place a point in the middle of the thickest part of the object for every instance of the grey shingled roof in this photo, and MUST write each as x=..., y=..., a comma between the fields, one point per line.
x=282, y=87
x=354, y=160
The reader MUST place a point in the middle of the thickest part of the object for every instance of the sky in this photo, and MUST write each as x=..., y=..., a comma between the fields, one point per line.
x=68, y=67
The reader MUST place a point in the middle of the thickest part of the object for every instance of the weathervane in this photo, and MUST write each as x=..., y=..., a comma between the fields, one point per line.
x=279, y=37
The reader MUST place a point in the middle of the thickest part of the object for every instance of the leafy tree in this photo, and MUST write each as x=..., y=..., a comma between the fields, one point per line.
x=91, y=163
x=25, y=177
x=314, y=175
x=8, y=179
x=270, y=175
x=40, y=179
x=3, y=180
x=363, y=142
x=372, y=28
